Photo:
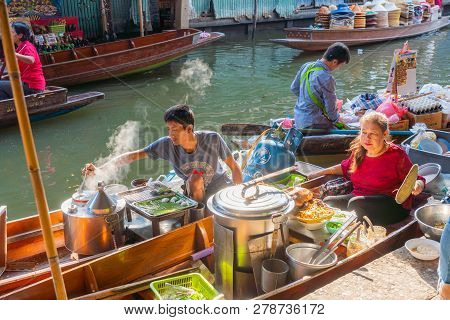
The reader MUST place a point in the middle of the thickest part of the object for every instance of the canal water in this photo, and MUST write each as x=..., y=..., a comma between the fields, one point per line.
x=233, y=80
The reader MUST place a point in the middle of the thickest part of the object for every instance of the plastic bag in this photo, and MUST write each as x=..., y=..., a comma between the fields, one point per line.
x=389, y=108
x=421, y=135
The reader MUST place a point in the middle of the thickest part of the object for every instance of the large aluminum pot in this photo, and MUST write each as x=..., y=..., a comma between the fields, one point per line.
x=299, y=254
x=95, y=226
x=236, y=221
x=431, y=214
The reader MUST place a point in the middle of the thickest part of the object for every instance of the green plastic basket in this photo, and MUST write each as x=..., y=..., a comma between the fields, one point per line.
x=192, y=280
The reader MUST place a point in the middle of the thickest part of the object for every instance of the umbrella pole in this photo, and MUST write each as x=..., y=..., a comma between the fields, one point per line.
x=30, y=152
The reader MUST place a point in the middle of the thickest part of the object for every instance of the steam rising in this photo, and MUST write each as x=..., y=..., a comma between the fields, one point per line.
x=124, y=139
x=197, y=75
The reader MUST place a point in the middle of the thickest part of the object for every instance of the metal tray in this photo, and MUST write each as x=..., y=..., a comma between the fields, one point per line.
x=136, y=195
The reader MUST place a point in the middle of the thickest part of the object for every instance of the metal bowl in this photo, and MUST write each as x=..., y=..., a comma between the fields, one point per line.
x=429, y=215
x=299, y=254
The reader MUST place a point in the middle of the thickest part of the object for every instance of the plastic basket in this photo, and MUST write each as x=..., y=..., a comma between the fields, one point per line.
x=57, y=28
x=192, y=280
x=421, y=157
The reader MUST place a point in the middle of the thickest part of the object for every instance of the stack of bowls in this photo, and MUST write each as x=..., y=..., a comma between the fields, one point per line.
x=393, y=14
x=323, y=19
x=360, y=20
x=371, y=19
x=360, y=17
x=382, y=16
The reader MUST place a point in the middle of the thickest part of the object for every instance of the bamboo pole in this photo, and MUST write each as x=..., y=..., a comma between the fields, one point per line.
x=104, y=20
x=255, y=18
x=30, y=152
x=141, y=18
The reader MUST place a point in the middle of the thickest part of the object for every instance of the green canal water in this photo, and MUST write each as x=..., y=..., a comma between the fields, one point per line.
x=235, y=80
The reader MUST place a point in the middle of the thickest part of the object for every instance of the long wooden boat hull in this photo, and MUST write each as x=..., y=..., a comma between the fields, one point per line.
x=147, y=258
x=47, y=105
x=318, y=40
x=120, y=58
x=314, y=142
x=126, y=264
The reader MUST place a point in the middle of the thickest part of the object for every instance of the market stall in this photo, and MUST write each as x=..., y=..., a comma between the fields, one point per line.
x=53, y=31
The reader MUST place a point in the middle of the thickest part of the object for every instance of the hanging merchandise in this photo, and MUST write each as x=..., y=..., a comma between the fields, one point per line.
x=35, y=8
x=273, y=151
x=402, y=74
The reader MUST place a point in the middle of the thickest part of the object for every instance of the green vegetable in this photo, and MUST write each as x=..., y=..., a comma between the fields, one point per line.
x=173, y=292
x=157, y=207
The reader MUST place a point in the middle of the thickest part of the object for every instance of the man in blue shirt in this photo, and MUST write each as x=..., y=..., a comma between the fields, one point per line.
x=194, y=155
x=315, y=88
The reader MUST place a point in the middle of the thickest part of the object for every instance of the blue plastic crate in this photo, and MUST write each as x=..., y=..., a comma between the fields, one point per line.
x=422, y=157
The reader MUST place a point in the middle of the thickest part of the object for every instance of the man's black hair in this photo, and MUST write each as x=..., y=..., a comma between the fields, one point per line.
x=22, y=29
x=338, y=51
x=181, y=114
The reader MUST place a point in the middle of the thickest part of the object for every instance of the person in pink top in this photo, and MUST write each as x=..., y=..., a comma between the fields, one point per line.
x=376, y=168
x=30, y=66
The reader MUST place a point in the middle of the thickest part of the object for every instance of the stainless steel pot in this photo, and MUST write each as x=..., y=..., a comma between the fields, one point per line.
x=298, y=256
x=96, y=226
x=236, y=221
x=429, y=215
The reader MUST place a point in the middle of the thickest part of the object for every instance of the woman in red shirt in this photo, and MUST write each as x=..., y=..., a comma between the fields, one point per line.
x=30, y=66
x=377, y=169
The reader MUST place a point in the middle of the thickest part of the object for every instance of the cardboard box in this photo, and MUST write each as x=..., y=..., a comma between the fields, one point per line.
x=402, y=125
x=432, y=120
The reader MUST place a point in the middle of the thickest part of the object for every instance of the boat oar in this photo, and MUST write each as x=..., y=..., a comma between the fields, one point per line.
x=332, y=238
x=338, y=243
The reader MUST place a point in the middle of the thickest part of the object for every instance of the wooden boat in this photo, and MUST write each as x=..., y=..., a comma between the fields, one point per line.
x=129, y=270
x=320, y=39
x=52, y=102
x=122, y=57
x=26, y=262
x=314, y=142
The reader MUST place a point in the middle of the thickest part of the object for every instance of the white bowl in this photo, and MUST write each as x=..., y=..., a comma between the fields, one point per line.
x=412, y=244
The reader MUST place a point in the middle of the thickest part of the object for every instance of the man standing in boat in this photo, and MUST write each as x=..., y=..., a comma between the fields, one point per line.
x=315, y=88
x=194, y=155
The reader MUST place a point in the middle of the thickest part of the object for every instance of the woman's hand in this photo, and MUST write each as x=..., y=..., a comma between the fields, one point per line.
x=418, y=187
x=89, y=169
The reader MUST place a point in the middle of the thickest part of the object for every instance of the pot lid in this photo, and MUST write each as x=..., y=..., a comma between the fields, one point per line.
x=231, y=202
x=101, y=203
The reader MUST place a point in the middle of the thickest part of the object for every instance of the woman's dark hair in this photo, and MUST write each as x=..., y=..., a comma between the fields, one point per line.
x=22, y=29
x=338, y=51
x=180, y=113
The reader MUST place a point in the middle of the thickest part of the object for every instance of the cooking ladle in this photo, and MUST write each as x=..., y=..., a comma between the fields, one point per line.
x=338, y=243
x=332, y=238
